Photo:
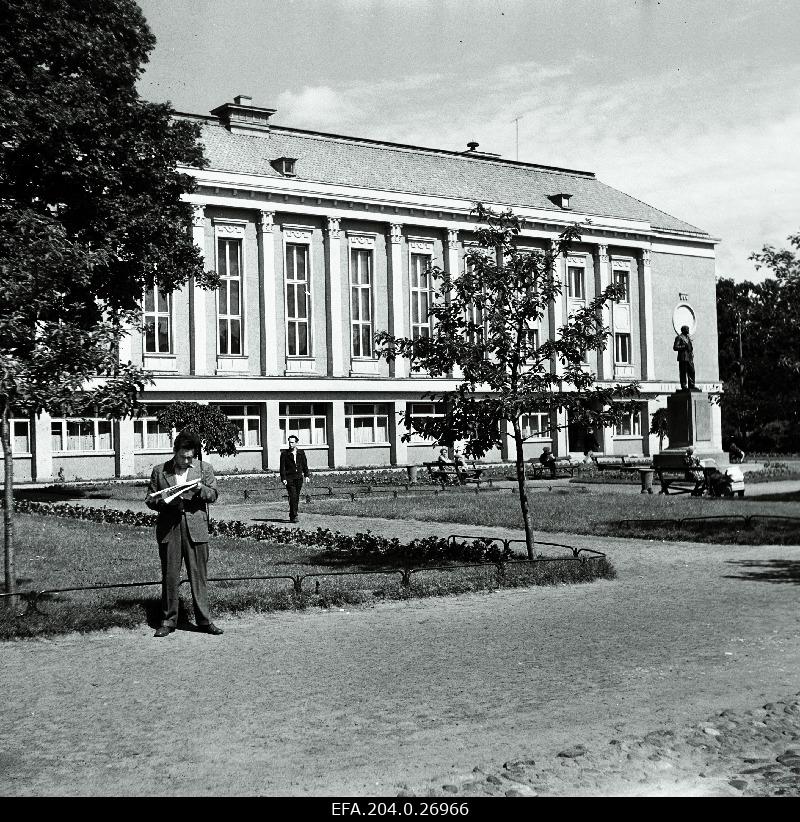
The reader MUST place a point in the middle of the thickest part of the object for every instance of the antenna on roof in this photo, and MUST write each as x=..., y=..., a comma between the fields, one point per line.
x=516, y=121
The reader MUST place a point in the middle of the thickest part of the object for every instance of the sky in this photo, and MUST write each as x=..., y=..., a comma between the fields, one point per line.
x=692, y=107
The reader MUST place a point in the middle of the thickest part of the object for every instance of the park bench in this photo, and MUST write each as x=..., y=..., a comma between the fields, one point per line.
x=563, y=467
x=676, y=477
x=621, y=462
x=448, y=473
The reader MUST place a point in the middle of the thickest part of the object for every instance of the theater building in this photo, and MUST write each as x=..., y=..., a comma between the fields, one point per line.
x=321, y=240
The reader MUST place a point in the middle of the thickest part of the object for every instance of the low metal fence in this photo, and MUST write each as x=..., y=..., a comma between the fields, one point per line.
x=32, y=599
x=328, y=492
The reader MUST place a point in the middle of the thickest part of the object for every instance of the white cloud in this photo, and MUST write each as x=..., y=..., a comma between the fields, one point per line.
x=319, y=107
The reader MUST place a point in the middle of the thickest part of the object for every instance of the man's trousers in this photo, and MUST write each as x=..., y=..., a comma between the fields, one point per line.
x=686, y=373
x=195, y=555
x=293, y=487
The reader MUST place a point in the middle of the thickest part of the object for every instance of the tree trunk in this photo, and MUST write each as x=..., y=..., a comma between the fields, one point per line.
x=523, y=494
x=8, y=511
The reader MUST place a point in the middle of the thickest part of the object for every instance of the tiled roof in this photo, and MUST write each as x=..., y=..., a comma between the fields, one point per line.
x=387, y=167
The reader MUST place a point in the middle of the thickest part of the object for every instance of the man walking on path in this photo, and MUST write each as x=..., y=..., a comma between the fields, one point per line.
x=683, y=345
x=294, y=468
x=182, y=530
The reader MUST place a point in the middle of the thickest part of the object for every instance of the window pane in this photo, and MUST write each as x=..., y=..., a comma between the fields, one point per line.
x=149, y=300
x=232, y=410
x=138, y=435
x=356, y=341
x=104, y=436
x=302, y=339
x=20, y=443
x=163, y=302
x=56, y=436
x=253, y=435
x=234, y=298
x=223, y=297
x=234, y=248
x=291, y=310
x=222, y=261
x=382, y=430
x=302, y=304
x=163, y=335
x=236, y=333
x=366, y=341
x=366, y=305
x=223, y=337
x=354, y=301
x=150, y=336
x=319, y=432
x=302, y=254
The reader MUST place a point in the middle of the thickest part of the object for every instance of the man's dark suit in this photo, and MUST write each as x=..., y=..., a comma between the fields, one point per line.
x=182, y=533
x=294, y=468
x=683, y=345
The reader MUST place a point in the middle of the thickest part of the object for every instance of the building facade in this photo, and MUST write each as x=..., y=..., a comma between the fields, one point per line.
x=321, y=240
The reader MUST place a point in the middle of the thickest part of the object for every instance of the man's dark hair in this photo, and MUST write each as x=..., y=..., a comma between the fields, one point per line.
x=185, y=440
x=292, y=437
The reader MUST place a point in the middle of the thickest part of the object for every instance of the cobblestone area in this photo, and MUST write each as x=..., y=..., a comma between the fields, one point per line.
x=734, y=753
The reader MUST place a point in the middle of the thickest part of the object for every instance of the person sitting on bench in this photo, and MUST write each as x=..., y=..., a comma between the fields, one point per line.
x=443, y=460
x=735, y=454
x=548, y=460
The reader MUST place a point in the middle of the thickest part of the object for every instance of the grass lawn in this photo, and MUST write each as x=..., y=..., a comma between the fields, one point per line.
x=576, y=509
x=55, y=553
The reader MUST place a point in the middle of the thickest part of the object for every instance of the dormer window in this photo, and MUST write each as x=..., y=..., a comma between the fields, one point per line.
x=285, y=166
x=561, y=200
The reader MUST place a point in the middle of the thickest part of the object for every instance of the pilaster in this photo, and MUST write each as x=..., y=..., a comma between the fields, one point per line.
x=603, y=280
x=333, y=288
x=561, y=435
x=452, y=263
x=337, y=440
x=268, y=320
x=42, y=448
x=399, y=450
x=123, y=448
x=646, y=315
x=558, y=308
x=272, y=439
x=399, y=368
x=197, y=300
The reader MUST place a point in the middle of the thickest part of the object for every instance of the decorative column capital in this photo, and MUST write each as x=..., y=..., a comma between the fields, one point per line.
x=602, y=253
x=198, y=216
x=334, y=232
x=452, y=238
x=395, y=232
x=645, y=256
x=266, y=221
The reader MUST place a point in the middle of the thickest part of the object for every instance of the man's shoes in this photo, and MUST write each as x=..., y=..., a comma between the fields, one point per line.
x=163, y=630
x=210, y=629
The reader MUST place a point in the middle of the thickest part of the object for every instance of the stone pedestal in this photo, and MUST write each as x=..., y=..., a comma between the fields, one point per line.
x=689, y=420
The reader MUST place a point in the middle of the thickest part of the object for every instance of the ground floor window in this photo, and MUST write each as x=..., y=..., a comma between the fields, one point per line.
x=536, y=425
x=247, y=419
x=419, y=410
x=149, y=434
x=87, y=434
x=630, y=425
x=20, y=435
x=366, y=422
x=307, y=421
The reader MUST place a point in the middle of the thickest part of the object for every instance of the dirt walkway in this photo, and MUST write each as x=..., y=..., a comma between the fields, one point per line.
x=411, y=696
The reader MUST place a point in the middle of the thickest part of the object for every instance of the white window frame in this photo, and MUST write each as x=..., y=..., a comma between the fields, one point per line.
x=145, y=423
x=155, y=315
x=251, y=414
x=619, y=337
x=622, y=269
x=419, y=247
x=375, y=411
x=318, y=412
x=225, y=230
x=426, y=409
x=299, y=236
x=543, y=431
x=632, y=421
x=361, y=244
x=13, y=422
x=64, y=422
x=575, y=264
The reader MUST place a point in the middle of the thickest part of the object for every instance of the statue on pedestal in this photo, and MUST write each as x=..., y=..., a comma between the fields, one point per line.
x=683, y=345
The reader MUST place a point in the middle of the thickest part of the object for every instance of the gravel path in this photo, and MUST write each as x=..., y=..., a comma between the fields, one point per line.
x=626, y=676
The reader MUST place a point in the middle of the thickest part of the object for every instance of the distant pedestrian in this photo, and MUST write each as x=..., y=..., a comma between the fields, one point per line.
x=294, y=469
x=182, y=530
x=548, y=460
